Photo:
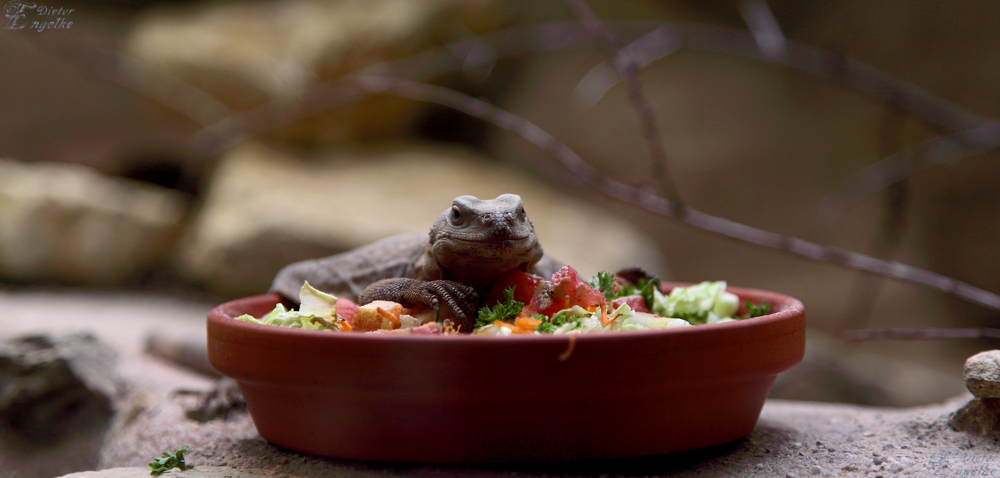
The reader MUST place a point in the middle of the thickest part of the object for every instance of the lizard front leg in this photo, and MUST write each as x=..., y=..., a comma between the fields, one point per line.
x=459, y=299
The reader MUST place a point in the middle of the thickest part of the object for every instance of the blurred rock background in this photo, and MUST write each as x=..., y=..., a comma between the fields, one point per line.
x=106, y=185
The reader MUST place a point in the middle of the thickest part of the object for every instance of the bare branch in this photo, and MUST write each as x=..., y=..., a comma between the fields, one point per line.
x=647, y=118
x=721, y=226
x=865, y=290
x=136, y=76
x=912, y=99
x=764, y=28
x=895, y=168
x=650, y=47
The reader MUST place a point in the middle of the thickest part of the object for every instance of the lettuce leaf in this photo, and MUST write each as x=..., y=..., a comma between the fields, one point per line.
x=315, y=304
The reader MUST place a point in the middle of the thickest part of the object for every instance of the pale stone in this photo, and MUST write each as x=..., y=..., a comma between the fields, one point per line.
x=244, y=54
x=61, y=221
x=264, y=210
x=982, y=374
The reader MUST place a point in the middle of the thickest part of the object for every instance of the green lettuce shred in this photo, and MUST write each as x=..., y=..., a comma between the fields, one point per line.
x=317, y=311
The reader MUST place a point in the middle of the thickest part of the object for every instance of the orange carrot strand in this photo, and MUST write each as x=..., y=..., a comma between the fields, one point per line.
x=388, y=316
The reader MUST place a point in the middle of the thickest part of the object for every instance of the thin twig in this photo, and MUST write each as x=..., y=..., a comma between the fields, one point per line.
x=913, y=99
x=866, y=288
x=138, y=77
x=764, y=27
x=861, y=335
x=586, y=174
x=895, y=168
x=628, y=70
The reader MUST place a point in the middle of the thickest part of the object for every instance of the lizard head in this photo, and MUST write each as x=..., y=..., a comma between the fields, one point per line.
x=492, y=234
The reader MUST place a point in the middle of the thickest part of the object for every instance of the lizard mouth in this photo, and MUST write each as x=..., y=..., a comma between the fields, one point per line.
x=490, y=240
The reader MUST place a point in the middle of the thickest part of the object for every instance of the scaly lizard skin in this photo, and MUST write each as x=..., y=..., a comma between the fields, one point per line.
x=471, y=244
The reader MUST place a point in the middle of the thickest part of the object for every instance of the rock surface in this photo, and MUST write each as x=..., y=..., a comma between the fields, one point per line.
x=835, y=371
x=980, y=416
x=121, y=322
x=982, y=374
x=66, y=222
x=246, y=53
x=50, y=385
x=265, y=210
x=791, y=439
x=56, y=394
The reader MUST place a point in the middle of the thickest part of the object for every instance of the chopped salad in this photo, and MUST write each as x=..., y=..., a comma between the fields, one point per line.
x=523, y=303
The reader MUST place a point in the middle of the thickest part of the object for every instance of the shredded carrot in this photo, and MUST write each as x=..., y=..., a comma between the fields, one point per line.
x=569, y=348
x=605, y=319
x=527, y=323
x=521, y=325
x=388, y=316
x=345, y=327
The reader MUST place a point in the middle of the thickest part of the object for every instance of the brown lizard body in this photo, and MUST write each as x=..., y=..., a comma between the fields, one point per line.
x=470, y=244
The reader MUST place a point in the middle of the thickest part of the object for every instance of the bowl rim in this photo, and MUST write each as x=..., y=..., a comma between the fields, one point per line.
x=221, y=315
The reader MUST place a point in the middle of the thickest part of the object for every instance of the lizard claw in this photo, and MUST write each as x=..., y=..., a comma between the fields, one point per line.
x=458, y=299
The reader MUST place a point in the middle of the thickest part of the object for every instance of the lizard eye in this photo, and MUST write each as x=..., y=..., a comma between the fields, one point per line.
x=521, y=213
x=456, y=215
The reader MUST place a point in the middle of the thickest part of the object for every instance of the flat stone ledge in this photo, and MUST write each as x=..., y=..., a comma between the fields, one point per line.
x=792, y=439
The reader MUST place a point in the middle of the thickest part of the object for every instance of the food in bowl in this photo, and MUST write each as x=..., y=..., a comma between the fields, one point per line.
x=523, y=303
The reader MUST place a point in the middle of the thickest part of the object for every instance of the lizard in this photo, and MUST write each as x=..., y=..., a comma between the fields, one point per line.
x=454, y=264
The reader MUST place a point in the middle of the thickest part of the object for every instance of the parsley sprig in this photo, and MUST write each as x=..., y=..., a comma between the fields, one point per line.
x=757, y=310
x=503, y=311
x=168, y=461
x=549, y=325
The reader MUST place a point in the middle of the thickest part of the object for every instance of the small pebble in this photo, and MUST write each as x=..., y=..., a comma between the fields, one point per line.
x=879, y=460
x=982, y=374
x=887, y=446
x=820, y=443
x=876, y=453
x=815, y=470
x=760, y=466
x=791, y=475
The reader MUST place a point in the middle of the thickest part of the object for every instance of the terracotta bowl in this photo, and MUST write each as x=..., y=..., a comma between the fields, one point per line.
x=469, y=399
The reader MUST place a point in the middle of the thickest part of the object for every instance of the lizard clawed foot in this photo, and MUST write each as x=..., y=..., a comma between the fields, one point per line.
x=458, y=299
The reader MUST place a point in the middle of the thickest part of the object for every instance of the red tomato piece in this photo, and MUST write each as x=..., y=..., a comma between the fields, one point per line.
x=345, y=309
x=636, y=302
x=524, y=285
x=564, y=291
